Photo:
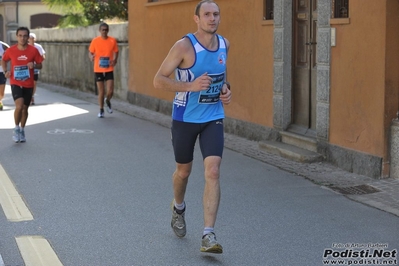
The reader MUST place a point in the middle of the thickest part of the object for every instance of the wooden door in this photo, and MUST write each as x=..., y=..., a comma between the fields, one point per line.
x=304, y=64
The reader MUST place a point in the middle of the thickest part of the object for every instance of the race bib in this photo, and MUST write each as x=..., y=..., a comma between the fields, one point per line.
x=212, y=94
x=104, y=62
x=21, y=73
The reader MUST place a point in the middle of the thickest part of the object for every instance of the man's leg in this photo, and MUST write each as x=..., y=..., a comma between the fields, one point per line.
x=100, y=87
x=2, y=89
x=35, y=78
x=110, y=92
x=100, y=90
x=19, y=106
x=211, y=143
x=33, y=93
x=180, y=180
x=211, y=197
x=110, y=89
x=211, y=201
x=24, y=115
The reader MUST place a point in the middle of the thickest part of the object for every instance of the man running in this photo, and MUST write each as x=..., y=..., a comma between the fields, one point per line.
x=24, y=59
x=3, y=79
x=104, y=52
x=199, y=63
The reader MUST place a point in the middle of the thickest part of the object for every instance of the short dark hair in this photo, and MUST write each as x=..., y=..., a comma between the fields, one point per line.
x=22, y=28
x=103, y=24
x=198, y=7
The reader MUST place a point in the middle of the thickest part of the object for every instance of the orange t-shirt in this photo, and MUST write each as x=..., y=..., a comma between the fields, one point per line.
x=104, y=51
x=21, y=75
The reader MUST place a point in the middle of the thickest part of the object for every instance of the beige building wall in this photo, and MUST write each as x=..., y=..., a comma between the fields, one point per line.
x=364, y=77
x=11, y=12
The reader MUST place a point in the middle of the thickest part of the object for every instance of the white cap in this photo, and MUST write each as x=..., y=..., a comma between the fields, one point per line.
x=32, y=35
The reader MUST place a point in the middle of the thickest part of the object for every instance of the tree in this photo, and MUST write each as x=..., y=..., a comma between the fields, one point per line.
x=88, y=12
x=96, y=11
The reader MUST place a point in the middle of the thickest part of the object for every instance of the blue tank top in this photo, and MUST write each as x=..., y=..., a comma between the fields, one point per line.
x=203, y=106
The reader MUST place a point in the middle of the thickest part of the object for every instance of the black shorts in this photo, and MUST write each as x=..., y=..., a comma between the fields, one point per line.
x=22, y=92
x=3, y=79
x=104, y=76
x=184, y=136
x=35, y=77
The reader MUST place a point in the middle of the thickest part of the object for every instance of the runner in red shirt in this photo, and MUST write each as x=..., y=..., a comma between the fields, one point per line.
x=24, y=59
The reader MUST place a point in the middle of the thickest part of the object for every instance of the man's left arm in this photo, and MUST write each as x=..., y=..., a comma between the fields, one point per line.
x=225, y=96
x=116, y=54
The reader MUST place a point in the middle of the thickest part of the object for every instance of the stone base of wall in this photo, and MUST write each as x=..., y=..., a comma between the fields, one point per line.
x=350, y=160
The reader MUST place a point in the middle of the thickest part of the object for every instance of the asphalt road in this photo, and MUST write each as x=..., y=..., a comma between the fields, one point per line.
x=99, y=191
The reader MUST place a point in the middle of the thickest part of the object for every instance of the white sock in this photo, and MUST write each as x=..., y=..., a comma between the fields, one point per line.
x=208, y=230
x=181, y=206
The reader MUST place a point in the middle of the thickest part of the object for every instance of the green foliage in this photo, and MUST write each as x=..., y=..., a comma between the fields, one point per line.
x=72, y=20
x=96, y=11
x=88, y=12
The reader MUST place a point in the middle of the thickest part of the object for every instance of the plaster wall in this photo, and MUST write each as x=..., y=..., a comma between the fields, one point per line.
x=250, y=62
x=364, y=77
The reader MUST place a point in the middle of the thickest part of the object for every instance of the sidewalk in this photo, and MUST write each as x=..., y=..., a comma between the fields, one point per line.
x=382, y=194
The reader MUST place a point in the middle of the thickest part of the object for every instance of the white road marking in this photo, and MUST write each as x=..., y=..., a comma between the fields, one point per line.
x=36, y=251
x=11, y=201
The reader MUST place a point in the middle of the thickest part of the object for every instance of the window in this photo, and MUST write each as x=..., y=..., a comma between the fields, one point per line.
x=340, y=8
x=268, y=10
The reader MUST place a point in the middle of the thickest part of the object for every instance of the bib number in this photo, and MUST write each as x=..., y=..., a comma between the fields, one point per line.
x=212, y=94
x=104, y=62
x=21, y=73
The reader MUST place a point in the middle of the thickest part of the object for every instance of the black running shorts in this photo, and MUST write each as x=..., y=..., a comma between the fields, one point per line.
x=22, y=92
x=184, y=136
x=104, y=76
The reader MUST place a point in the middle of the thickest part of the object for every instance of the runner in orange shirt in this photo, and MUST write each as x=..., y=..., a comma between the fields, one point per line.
x=104, y=52
x=24, y=59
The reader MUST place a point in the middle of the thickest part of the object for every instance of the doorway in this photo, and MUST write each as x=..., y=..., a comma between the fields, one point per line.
x=304, y=67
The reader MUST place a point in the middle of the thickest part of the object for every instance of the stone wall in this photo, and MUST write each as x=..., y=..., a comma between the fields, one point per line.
x=394, y=152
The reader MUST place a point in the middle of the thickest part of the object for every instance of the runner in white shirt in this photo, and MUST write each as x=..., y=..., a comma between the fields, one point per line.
x=2, y=77
x=32, y=39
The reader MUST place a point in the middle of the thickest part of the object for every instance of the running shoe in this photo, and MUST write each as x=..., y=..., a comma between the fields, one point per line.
x=108, y=104
x=1, y=106
x=16, y=135
x=22, y=136
x=101, y=114
x=210, y=244
x=178, y=223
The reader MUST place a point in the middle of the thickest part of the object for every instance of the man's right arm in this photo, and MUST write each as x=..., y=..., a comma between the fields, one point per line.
x=91, y=51
x=175, y=57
